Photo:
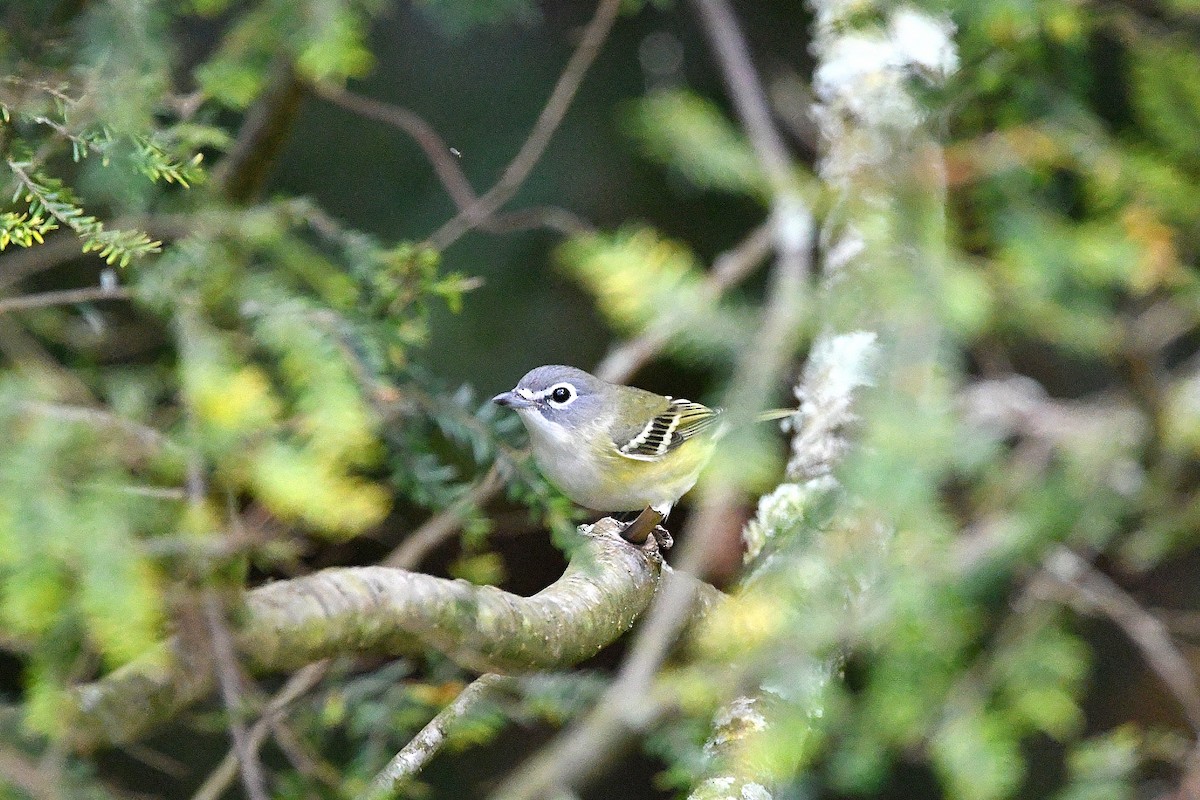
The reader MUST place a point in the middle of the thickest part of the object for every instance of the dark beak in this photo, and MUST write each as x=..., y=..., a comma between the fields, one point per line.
x=511, y=400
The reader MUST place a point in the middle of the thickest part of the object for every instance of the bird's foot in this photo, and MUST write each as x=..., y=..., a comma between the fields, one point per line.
x=663, y=537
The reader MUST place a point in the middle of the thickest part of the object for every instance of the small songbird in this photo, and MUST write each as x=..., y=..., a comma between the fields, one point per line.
x=611, y=447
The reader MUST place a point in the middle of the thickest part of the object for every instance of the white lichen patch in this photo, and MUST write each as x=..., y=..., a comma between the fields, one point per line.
x=836, y=367
x=780, y=509
x=741, y=712
x=924, y=42
x=733, y=722
x=755, y=791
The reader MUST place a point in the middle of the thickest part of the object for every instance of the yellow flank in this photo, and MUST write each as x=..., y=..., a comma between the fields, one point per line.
x=658, y=481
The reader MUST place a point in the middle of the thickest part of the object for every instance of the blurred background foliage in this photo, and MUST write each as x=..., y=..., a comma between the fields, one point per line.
x=263, y=362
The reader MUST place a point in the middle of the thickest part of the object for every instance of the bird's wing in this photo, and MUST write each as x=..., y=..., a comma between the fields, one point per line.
x=680, y=421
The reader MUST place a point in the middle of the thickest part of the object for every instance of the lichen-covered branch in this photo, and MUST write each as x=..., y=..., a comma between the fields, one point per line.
x=838, y=366
x=384, y=611
x=869, y=123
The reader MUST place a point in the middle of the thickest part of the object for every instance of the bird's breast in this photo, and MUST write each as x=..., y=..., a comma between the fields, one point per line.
x=586, y=467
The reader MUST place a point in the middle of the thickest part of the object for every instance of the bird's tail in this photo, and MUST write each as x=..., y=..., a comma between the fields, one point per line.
x=775, y=413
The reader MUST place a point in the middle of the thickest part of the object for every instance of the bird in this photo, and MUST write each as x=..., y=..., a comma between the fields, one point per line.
x=615, y=448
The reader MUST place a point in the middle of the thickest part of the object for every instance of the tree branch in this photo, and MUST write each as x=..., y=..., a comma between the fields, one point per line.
x=1090, y=591
x=64, y=297
x=413, y=757
x=435, y=148
x=241, y=175
x=228, y=679
x=726, y=39
x=226, y=772
x=448, y=172
x=150, y=439
x=288, y=624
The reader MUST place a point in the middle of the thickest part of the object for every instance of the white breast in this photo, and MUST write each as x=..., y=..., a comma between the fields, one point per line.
x=556, y=451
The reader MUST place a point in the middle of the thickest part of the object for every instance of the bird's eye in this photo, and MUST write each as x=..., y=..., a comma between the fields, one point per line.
x=561, y=394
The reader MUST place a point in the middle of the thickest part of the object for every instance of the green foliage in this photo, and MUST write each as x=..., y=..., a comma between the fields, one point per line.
x=326, y=40
x=643, y=280
x=977, y=757
x=1166, y=93
x=287, y=373
x=23, y=229
x=49, y=203
x=76, y=582
x=1065, y=227
x=1104, y=767
x=689, y=134
x=279, y=371
x=48, y=197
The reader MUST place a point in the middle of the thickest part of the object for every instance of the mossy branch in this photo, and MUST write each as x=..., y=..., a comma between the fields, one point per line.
x=385, y=611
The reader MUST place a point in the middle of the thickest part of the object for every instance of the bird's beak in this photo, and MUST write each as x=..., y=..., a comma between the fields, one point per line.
x=511, y=400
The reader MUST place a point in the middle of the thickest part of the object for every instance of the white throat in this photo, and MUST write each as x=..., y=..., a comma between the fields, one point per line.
x=544, y=431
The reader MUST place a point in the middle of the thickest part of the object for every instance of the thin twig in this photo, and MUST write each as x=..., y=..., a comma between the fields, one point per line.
x=547, y=123
x=150, y=438
x=441, y=526
x=448, y=172
x=301, y=756
x=225, y=664
x=746, y=92
x=162, y=762
x=413, y=757
x=553, y=218
x=227, y=771
x=437, y=152
x=1092, y=592
x=64, y=297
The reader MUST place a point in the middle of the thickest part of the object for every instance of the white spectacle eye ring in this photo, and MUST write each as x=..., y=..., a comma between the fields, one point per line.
x=560, y=395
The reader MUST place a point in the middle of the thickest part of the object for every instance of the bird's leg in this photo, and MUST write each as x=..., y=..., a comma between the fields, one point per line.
x=647, y=524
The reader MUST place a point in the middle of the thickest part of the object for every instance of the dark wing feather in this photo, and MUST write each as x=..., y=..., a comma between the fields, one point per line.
x=667, y=430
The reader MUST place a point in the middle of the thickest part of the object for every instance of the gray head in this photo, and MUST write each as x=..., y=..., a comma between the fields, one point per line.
x=556, y=393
